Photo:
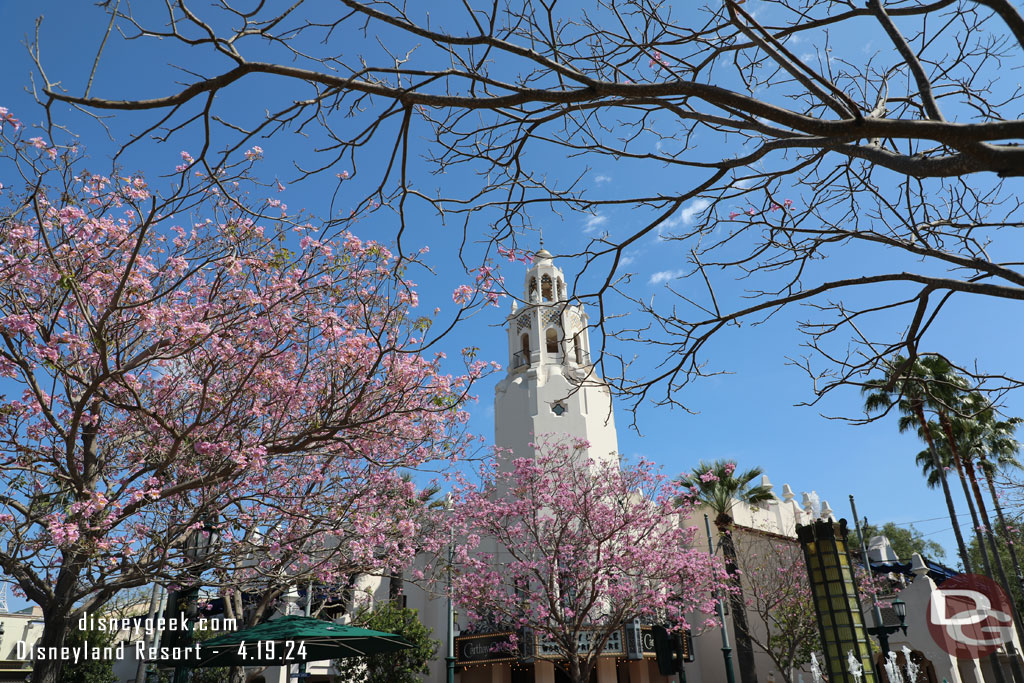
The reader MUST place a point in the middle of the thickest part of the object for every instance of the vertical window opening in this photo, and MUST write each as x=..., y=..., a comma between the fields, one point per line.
x=545, y=288
x=552, y=340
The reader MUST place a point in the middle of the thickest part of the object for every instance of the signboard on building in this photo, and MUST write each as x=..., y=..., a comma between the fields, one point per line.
x=615, y=645
x=647, y=643
x=485, y=648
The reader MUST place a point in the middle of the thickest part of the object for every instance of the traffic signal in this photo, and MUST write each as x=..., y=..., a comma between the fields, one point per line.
x=669, y=650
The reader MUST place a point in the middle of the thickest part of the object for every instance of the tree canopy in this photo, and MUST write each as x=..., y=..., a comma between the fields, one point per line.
x=768, y=139
x=405, y=666
x=181, y=379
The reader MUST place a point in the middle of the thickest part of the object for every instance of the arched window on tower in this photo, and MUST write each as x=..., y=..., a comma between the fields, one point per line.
x=561, y=290
x=545, y=288
x=579, y=349
x=525, y=353
x=533, y=289
x=551, y=337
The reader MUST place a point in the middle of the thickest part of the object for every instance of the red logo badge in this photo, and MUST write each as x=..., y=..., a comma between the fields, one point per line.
x=970, y=616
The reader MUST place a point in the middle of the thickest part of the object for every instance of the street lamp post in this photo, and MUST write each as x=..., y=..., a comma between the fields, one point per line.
x=882, y=632
x=450, y=654
x=879, y=630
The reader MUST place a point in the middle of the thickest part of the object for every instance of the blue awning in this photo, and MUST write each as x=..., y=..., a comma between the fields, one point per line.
x=938, y=572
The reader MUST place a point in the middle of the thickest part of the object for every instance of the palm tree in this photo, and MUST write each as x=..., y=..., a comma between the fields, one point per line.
x=912, y=386
x=718, y=486
x=966, y=424
x=980, y=433
x=969, y=429
x=905, y=386
x=996, y=449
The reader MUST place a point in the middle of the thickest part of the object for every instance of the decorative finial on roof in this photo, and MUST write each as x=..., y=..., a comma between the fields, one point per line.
x=787, y=493
x=542, y=253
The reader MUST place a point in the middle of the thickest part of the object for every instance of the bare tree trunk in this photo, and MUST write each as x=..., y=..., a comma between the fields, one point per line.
x=56, y=625
x=575, y=672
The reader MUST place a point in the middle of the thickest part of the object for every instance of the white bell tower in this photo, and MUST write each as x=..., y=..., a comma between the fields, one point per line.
x=551, y=387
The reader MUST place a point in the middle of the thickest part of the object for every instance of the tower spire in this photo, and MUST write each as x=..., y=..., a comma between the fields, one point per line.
x=551, y=386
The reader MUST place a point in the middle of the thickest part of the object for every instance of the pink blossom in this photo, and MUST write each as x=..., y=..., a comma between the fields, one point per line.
x=187, y=161
x=220, y=390
x=6, y=117
x=656, y=58
x=462, y=294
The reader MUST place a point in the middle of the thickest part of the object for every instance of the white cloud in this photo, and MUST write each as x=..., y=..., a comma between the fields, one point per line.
x=663, y=276
x=686, y=215
x=626, y=260
x=690, y=211
x=600, y=179
x=594, y=222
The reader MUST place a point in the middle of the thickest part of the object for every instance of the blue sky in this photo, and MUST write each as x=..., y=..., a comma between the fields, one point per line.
x=749, y=415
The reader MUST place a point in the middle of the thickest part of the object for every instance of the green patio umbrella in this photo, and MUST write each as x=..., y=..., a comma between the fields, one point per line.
x=294, y=639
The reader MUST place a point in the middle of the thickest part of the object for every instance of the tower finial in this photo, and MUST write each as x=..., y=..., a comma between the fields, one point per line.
x=541, y=237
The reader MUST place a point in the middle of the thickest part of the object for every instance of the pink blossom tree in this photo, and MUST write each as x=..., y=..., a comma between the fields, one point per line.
x=574, y=548
x=177, y=363
x=779, y=601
